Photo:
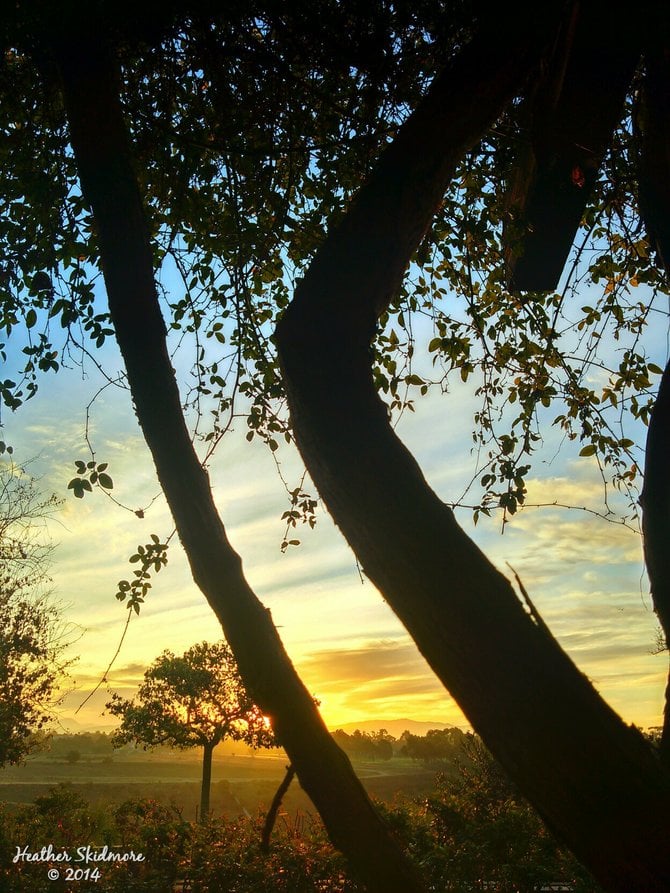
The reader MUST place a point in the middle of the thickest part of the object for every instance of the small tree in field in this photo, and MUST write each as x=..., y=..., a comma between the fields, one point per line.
x=195, y=700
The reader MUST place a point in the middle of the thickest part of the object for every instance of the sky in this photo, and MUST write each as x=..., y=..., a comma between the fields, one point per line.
x=585, y=575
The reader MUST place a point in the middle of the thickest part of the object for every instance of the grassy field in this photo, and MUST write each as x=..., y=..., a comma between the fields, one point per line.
x=239, y=783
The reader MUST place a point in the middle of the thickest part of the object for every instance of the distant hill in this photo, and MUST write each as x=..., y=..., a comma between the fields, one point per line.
x=394, y=727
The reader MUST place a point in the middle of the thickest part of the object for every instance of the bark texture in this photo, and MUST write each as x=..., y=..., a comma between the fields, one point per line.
x=100, y=143
x=595, y=781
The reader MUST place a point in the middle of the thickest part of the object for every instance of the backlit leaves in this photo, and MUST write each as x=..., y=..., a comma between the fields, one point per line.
x=151, y=557
x=90, y=474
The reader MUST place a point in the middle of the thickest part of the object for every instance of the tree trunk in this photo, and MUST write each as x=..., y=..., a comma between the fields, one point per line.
x=595, y=781
x=653, y=121
x=655, y=501
x=206, y=784
x=100, y=143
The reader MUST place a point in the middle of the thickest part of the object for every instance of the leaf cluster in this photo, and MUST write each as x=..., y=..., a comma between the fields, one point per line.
x=151, y=557
x=89, y=475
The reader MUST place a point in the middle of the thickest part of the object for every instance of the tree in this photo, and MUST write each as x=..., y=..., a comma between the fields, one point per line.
x=32, y=633
x=125, y=189
x=461, y=611
x=196, y=700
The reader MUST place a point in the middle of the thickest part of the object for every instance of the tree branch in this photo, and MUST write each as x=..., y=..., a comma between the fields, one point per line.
x=271, y=817
x=592, y=778
x=576, y=106
x=101, y=146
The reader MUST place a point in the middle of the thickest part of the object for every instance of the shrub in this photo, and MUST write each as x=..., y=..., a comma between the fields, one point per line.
x=228, y=856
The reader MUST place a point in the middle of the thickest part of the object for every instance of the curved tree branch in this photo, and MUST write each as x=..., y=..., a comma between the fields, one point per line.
x=101, y=146
x=595, y=781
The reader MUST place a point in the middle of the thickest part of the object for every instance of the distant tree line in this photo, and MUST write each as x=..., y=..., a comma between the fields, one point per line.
x=366, y=745
x=437, y=746
x=87, y=744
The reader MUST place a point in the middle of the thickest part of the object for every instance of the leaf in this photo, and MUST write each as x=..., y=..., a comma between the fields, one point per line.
x=105, y=481
x=588, y=450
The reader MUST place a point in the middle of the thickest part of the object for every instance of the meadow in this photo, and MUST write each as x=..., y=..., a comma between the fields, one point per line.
x=240, y=783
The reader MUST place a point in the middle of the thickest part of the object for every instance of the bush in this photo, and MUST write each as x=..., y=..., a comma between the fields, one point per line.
x=228, y=856
x=61, y=818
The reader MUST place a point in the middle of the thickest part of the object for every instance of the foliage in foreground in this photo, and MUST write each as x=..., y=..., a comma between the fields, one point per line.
x=474, y=832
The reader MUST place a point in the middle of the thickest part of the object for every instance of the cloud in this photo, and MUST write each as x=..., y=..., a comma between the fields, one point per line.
x=376, y=659
x=378, y=679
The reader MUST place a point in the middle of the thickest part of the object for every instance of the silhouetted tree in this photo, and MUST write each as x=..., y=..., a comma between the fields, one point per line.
x=195, y=700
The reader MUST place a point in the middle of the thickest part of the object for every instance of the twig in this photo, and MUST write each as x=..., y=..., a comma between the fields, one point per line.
x=103, y=678
x=534, y=613
x=271, y=817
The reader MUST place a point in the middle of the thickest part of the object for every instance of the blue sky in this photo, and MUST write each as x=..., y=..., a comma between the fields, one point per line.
x=584, y=574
